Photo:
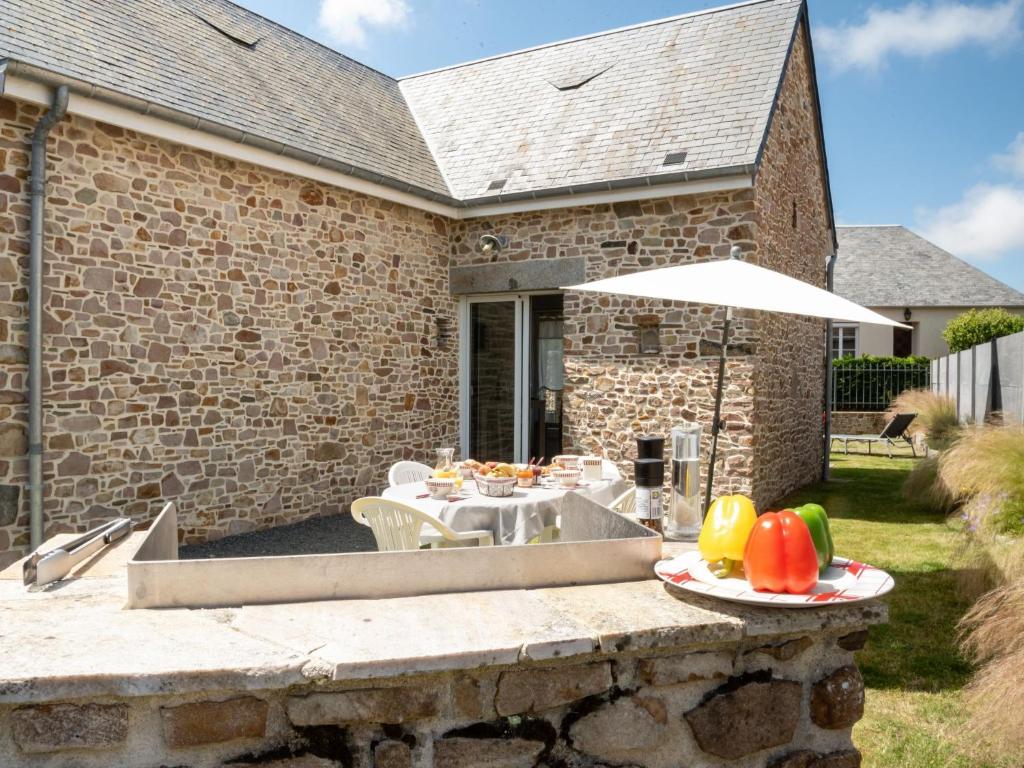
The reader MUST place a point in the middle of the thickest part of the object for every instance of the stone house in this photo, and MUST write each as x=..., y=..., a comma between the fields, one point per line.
x=903, y=276
x=264, y=279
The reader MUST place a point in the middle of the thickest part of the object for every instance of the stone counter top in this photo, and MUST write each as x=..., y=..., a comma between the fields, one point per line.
x=75, y=639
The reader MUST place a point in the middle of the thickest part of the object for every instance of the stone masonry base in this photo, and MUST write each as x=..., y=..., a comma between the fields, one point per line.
x=787, y=704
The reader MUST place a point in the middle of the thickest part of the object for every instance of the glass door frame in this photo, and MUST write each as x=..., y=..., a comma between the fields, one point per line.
x=523, y=356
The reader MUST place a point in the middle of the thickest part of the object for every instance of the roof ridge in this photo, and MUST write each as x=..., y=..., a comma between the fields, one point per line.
x=590, y=36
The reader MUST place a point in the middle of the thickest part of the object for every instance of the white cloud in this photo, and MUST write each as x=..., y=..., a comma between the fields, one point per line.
x=346, y=21
x=986, y=224
x=918, y=30
x=1013, y=160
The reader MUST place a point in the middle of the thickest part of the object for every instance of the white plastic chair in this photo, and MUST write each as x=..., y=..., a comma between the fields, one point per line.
x=610, y=469
x=396, y=526
x=625, y=504
x=405, y=472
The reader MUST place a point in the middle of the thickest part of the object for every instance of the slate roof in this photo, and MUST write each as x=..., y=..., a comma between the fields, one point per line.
x=703, y=84
x=286, y=88
x=600, y=111
x=890, y=266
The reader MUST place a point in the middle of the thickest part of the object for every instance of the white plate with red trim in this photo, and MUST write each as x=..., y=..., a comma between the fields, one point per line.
x=845, y=581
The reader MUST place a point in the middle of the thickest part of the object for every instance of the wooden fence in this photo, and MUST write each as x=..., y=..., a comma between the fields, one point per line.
x=984, y=380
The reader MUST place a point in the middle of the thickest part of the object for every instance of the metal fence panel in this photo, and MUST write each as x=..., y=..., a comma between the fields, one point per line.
x=986, y=379
x=982, y=382
x=965, y=389
x=1009, y=366
x=873, y=387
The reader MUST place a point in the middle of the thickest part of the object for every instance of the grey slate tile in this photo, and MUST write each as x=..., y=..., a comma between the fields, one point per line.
x=890, y=266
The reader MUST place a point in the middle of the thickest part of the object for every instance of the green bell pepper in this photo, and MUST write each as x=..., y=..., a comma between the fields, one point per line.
x=817, y=522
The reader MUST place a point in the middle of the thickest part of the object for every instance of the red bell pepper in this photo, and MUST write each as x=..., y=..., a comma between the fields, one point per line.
x=780, y=554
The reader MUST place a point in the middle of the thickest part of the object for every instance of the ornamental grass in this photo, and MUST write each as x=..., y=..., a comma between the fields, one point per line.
x=992, y=633
x=936, y=416
x=984, y=469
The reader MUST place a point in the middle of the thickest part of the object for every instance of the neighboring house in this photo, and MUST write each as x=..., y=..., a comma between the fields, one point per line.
x=264, y=274
x=907, y=278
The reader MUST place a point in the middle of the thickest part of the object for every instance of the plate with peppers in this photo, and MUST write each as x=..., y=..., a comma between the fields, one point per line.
x=786, y=559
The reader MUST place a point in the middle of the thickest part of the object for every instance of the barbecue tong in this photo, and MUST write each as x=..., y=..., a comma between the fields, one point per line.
x=45, y=568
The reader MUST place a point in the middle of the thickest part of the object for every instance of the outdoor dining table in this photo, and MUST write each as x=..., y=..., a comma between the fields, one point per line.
x=514, y=519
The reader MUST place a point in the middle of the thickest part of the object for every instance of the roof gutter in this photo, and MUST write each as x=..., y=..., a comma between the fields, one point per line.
x=30, y=83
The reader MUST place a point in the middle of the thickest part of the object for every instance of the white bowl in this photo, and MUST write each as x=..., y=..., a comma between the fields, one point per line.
x=567, y=478
x=440, y=487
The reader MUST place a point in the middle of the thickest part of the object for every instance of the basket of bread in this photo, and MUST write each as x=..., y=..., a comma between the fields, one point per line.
x=493, y=478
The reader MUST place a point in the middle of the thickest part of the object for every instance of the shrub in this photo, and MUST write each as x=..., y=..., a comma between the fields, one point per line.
x=936, y=416
x=976, y=326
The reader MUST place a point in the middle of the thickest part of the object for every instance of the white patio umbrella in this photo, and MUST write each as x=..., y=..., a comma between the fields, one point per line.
x=733, y=283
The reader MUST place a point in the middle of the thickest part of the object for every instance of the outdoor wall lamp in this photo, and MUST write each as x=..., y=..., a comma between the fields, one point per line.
x=492, y=245
x=907, y=314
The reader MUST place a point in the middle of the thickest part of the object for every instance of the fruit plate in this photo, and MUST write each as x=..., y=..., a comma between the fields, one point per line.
x=845, y=581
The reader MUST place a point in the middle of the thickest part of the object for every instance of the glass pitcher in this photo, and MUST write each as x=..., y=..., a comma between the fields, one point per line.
x=445, y=465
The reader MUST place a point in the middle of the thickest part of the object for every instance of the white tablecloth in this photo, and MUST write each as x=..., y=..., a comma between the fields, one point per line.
x=513, y=519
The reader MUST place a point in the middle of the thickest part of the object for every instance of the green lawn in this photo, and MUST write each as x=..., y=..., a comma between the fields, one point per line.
x=911, y=666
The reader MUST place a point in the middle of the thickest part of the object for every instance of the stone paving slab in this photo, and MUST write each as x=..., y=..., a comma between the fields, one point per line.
x=76, y=638
x=375, y=638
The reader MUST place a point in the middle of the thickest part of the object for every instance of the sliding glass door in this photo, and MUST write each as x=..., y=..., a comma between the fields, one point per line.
x=511, y=376
x=494, y=342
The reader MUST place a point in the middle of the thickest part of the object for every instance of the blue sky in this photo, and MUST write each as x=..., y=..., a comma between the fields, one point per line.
x=923, y=101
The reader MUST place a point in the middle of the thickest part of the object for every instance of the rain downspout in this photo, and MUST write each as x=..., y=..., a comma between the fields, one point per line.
x=35, y=313
x=829, y=286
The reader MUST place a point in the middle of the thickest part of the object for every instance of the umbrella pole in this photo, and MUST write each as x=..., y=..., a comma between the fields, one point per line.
x=716, y=425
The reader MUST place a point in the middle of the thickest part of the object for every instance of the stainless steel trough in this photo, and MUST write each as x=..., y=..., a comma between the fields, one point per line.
x=596, y=546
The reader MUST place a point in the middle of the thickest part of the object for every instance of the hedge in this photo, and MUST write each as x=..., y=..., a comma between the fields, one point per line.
x=870, y=361
x=871, y=382
x=976, y=326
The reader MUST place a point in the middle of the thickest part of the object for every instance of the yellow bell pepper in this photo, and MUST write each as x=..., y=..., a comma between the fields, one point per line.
x=727, y=527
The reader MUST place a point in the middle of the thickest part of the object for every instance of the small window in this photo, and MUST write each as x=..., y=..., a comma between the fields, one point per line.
x=845, y=340
x=794, y=215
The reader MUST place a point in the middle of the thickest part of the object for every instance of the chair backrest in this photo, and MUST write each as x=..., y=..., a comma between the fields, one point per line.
x=898, y=425
x=396, y=526
x=626, y=503
x=404, y=472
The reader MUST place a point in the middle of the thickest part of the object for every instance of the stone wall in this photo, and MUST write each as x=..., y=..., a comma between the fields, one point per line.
x=259, y=348
x=788, y=704
x=775, y=381
x=255, y=347
x=794, y=237
x=857, y=422
x=613, y=392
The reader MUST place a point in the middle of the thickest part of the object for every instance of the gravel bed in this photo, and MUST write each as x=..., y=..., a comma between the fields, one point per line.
x=315, y=536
